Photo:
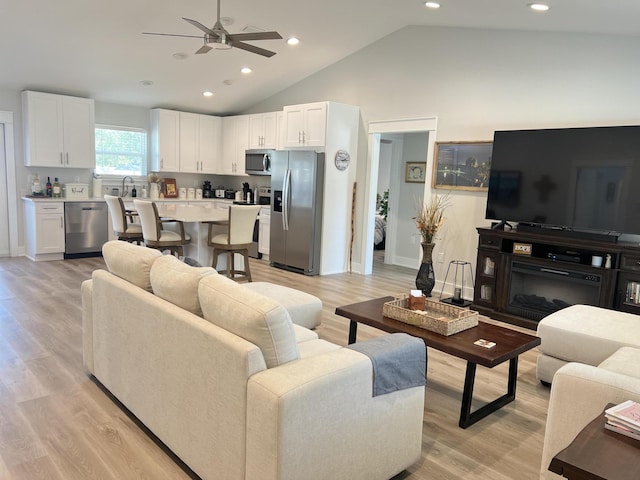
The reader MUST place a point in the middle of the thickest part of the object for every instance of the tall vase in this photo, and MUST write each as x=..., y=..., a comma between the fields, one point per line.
x=426, y=279
x=154, y=191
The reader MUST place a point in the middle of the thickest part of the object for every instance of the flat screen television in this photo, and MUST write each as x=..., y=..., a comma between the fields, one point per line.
x=579, y=179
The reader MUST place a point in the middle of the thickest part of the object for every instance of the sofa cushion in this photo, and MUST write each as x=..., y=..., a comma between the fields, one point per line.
x=626, y=361
x=130, y=262
x=304, y=309
x=251, y=316
x=177, y=282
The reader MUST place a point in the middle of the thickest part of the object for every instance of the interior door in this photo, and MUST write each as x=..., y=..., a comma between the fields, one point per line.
x=4, y=206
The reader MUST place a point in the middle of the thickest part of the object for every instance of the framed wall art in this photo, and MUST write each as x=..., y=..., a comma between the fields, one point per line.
x=415, y=172
x=169, y=188
x=462, y=165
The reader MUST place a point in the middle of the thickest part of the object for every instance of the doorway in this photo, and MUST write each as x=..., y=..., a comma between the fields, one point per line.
x=378, y=131
x=8, y=199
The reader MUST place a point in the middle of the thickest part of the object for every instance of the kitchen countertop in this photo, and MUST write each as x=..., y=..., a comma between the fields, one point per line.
x=29, y=198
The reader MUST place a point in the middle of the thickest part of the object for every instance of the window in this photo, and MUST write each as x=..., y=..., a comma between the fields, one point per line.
x=121, y=151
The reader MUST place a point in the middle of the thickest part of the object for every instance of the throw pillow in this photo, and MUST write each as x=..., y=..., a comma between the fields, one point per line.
x=252, y=316
x=130, y=262
x=177, y=282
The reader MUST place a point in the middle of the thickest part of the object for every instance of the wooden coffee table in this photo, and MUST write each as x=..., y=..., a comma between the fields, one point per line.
x=509, y=344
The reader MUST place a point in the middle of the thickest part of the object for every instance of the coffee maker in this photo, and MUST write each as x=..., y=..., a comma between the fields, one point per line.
x=206, y=190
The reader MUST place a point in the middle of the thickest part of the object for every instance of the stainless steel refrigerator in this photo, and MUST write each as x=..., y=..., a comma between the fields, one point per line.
x=297, y=181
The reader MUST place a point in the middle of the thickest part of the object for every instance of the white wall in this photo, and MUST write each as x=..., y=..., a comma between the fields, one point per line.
x=477, y=81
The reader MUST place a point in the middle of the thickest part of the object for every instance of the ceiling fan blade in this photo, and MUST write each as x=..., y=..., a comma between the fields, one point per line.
x=204, y=49
x=200, y=26
x=255, y=36
x=172, y=35
x=253, y=49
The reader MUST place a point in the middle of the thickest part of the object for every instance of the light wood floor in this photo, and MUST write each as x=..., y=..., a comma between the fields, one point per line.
x=55, y=423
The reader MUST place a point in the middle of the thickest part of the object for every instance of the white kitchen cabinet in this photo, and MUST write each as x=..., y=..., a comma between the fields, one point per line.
x=165, y=140
x=305, y=125
x=59, y=131
x=263, y=130
x=209, y=143
x=264, y=231
x=188, y=139
x=199, y=143
x=235, y=141
x=44, y=230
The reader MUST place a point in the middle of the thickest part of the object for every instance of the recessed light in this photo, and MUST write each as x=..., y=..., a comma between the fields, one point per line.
x=432, y=5
x=207, y=93
x=180, y=56
x=228, y=82
x=539, y=7
x=146, y=83
x=245, y=70
x=293, y=41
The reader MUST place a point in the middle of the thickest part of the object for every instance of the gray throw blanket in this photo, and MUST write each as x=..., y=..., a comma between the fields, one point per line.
x=399, y=361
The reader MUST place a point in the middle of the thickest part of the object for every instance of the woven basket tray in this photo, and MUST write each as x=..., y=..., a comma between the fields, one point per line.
x=436, y=317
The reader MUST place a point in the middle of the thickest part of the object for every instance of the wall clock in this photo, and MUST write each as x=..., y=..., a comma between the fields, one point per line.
x=342, y=159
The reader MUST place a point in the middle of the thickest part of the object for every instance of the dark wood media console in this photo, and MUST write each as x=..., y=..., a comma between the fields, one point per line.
x=545, y=272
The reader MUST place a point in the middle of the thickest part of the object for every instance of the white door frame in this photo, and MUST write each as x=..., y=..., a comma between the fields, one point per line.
x=376, y=128
x=6, y=118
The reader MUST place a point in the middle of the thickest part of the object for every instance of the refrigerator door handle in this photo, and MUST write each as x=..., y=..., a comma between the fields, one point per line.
x=285, y=199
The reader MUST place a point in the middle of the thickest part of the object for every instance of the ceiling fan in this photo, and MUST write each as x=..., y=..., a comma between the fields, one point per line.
x=218, y=35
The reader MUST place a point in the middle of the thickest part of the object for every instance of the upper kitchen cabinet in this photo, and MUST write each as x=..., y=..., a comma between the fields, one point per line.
x=184, y=142
x=199, y=143
x=235, y=141
x=209, y=143
x=59, y=130
x=305, y=125
x=165, y=140
x=263, y=130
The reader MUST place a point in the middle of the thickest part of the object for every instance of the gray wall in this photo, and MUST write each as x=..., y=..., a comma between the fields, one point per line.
x=477, y=81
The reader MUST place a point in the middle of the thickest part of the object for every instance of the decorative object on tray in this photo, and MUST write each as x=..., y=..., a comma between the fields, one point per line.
x=436, y=317
x=429, y=219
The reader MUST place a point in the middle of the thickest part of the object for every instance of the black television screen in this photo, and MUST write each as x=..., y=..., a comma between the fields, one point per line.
x=584, y=179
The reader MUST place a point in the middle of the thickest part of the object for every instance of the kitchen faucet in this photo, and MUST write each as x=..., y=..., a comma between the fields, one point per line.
x=123, y=191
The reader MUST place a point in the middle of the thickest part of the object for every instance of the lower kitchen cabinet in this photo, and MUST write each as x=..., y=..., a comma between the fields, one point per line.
x=44, y=230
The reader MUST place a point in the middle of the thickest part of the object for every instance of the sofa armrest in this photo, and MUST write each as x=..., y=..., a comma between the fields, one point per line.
x=306, y=417
x=86, y=290
x=579, y=393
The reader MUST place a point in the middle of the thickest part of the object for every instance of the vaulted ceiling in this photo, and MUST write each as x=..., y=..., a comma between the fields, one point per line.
x=97, y=49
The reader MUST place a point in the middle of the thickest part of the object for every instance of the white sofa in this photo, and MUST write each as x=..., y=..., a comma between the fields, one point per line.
x=580, y=393
x=240, y=392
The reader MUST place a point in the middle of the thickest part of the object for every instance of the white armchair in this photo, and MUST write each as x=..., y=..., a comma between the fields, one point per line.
x=579, y=393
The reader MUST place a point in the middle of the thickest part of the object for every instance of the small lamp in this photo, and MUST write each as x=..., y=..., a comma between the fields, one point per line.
x=457, y=299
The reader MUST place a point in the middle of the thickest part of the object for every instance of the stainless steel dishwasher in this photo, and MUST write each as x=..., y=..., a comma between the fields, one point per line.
x=85, y=227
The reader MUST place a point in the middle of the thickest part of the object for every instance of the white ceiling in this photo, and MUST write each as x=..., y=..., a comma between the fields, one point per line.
x=96, y=48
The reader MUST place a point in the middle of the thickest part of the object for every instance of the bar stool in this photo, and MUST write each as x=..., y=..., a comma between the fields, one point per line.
x=237, y=239
x=153, y=233
x=124, y=227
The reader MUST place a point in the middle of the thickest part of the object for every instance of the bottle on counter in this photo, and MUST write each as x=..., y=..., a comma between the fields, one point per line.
x=134, y=192
x=57, y=190
x=36, y=186
x=144, y=192
x=49, y=187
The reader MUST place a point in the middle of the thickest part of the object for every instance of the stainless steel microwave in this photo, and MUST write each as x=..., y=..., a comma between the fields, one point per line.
x=258, y=162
